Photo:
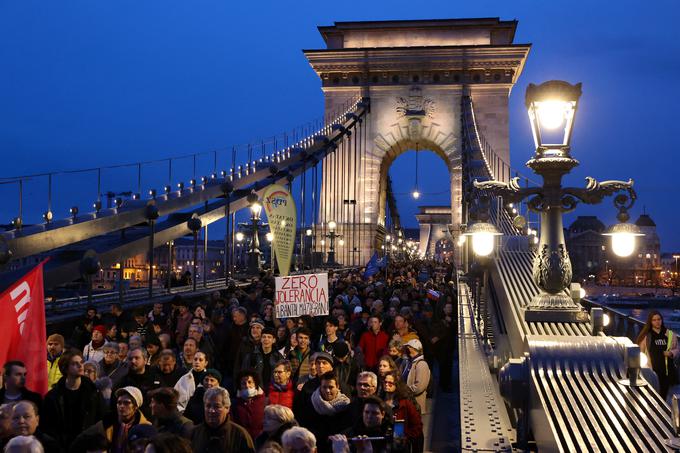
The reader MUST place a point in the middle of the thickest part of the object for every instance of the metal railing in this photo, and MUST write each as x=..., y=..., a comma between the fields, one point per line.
x=621, y=324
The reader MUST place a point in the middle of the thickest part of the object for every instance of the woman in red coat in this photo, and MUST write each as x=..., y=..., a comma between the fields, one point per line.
x=249, y=408
x=397, y=396
x=281, y=387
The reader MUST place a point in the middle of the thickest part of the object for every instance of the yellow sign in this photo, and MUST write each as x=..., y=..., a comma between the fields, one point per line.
x=282, y=216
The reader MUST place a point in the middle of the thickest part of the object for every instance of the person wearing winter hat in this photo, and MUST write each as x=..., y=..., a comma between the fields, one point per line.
x=94, y=350
x=117, y=426
x=249, y=344
x=323, y=363
x=195, y=410
x=345, y=366
x=416, y=373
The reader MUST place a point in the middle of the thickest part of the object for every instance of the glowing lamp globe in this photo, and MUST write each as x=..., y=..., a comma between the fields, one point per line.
x=483, y=238
x=332, y=225
x=270, y=237
x=308, y=232
x=256, y=209
x=341, y=242
x=239, y=236
x=552, y=106
x=415, y=194
x=623, y=238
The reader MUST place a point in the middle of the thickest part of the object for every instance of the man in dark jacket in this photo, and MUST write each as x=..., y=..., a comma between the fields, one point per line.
x=249, y=344
x=302, y=402
x=141, y=376
x=263, y=358
x=167, y=418
x=73, y=404
x=167, y=369
x=14, y=385
x=217, y=433
x=238, y=331
x=25, y=420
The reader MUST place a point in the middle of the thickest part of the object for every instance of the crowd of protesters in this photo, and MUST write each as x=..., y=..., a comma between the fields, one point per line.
x=224, y=374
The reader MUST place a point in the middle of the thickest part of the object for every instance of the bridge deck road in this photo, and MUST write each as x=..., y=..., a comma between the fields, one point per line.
x=484, y=421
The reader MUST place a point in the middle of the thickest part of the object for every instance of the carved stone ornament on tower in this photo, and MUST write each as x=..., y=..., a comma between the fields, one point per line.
x=414, y=110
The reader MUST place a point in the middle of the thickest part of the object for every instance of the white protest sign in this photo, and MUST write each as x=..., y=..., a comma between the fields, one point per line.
x=299, y=295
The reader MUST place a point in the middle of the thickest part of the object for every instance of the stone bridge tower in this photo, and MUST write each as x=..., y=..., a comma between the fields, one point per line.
x=415, y=73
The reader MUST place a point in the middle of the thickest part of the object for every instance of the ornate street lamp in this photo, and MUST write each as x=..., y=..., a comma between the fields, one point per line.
x=254, y=252
x=552, y=107
x=483, y=237
x=332, y=235
x=194, y=224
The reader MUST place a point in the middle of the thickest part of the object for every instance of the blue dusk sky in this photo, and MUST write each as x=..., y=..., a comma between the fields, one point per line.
x=91, y=83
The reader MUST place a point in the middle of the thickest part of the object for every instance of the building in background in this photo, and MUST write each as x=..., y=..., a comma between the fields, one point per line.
x=586, y=247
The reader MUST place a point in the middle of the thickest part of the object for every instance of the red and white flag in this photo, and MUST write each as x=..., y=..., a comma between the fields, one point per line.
x=22, y=327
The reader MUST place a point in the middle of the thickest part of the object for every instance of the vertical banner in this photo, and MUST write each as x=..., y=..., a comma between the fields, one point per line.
x=300, y=295
x=282, y=217
x=22, y=327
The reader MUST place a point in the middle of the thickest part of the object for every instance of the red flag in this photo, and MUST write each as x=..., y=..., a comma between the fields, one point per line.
x=22, y=327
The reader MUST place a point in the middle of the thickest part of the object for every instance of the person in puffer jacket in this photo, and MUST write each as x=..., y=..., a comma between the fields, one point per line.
x=281, y=387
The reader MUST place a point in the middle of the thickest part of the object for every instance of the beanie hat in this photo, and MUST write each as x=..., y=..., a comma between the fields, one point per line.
x=133, y=392
x=323, y=356
x=415, y=344
x=100, y=328
x=257, y=321
x=214, y=373
x=56, y=338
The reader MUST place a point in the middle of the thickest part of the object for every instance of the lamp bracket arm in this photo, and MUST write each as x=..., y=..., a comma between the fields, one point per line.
x=511, y=191
x=596, y=191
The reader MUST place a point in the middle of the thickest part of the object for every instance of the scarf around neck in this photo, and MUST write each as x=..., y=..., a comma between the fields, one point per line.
x=323, y=407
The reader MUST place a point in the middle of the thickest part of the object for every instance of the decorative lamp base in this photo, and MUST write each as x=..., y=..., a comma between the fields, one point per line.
x=331, y=260
x=546, y=307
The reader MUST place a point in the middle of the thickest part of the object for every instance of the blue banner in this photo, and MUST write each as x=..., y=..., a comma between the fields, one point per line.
x=374, y=265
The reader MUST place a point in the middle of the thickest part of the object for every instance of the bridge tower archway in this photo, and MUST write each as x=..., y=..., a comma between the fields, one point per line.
x=415, y=74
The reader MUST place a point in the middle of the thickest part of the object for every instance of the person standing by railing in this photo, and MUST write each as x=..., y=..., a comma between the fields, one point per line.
x=661, y=347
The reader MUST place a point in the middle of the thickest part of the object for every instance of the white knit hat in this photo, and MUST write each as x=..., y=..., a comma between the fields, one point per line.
x=134, y=392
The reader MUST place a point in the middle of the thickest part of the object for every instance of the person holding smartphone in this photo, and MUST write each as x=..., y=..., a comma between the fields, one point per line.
x=408, y=425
